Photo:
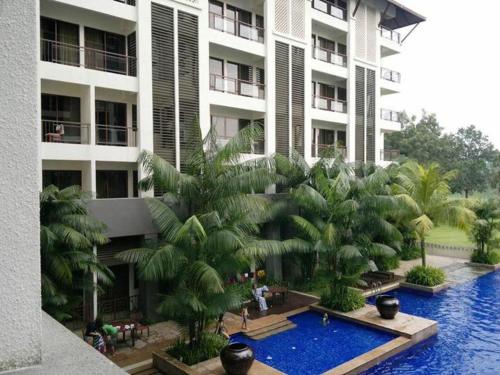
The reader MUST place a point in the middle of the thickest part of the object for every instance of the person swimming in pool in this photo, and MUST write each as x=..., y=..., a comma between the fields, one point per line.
x=326, y=319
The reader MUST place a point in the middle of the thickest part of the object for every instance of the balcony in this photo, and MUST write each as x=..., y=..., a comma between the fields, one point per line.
x=391, y=35
x=318, y=150
x=68, y=54
x=329, y=56
x=236, y=86
x=329, y=104
x=330, y=8
x=235, y=27
x=65, y=132
x=389, y=155
x=389, y=115
x=257, y=148
x=390, y=75
x=390, y=82
x=110, y=135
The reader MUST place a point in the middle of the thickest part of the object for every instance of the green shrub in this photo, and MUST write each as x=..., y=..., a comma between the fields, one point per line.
x=409, y=253
x=209, y=347
x=426, y=276
x=342, y=298
x=386, y=263
x=490, y=257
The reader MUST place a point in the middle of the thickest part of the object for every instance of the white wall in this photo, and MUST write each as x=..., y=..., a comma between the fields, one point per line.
x=20, y=306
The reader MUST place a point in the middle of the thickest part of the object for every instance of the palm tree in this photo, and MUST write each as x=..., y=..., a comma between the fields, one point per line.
x=67, y=236
x=209, y=223
x=425, y=191
x=344, y=216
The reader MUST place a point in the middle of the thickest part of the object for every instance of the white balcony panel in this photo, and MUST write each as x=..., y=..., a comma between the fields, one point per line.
x=237, y=101
x=389, y=126
x=329, y=116
x=62, y=151
x=389, y=47
x=107, y=7
x=329, y=20
x=83, y=76
x=389, y=87
x=235, y=42
x=329, y=68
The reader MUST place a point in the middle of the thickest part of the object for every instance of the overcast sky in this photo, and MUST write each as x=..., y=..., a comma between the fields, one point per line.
x=451, y=64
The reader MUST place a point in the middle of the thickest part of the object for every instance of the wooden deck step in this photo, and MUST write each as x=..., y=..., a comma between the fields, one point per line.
x=270, y=327
x=275, y=331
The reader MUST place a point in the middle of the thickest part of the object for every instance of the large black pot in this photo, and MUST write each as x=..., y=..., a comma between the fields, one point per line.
x=237, y=358
x=387, y=306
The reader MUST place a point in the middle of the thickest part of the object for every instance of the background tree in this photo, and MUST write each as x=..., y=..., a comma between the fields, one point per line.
x=67, y=236
x=484, y=231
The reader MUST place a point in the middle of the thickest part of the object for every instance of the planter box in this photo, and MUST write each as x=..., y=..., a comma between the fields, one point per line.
x=426, y=289
x=169, y=365
x=493, y=267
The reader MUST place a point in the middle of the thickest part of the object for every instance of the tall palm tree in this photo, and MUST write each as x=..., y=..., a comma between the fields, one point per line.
x=67, y=236
x=425, y=191
x=209, y=223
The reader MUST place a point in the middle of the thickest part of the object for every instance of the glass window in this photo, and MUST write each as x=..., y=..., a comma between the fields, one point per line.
x=61, y=179
x=341, y=138
x=216, y=66
x=112, y=184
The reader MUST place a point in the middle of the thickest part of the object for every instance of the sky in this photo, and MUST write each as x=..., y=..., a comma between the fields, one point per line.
x=450, y=64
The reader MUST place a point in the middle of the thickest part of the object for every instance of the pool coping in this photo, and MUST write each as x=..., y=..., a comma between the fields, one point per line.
x=426, y=289
x=492, y=267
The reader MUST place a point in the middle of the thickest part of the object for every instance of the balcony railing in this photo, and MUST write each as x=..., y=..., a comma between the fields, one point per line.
x=69, y=54
x=329, y=104
x=390, y=34
x=65, y=132
x=390, y=75
x=329, y=56
x=236, y=86
x=389, y=155
x=388, y=115
x=256, y=148
x=330, y=8
x=128, y=2
x=110, y=135
x=318, y=150
x=235, y=27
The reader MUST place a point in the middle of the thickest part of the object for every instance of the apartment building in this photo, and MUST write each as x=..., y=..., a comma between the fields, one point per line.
x=121, y=76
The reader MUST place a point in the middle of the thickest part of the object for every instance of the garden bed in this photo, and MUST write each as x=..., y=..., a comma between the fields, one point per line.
x=493, y=267
x=426, y=289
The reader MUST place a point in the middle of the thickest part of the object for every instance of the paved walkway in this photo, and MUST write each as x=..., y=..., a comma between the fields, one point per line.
x=432, y=260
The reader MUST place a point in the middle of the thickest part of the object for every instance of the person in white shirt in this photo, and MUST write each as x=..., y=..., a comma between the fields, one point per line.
x=258, y=294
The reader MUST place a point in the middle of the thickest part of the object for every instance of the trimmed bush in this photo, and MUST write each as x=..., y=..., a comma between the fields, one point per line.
x=491, y=257
x=209, y=347
x=342, y=298
x=386, y=263
x=409, y=253
x=426, y=276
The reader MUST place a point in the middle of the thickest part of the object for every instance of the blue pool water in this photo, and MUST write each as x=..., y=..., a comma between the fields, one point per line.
x=312, y=348
x=468, y=341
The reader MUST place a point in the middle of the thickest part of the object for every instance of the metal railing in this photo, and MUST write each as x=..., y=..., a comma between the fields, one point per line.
x=389, y=115
x=318, y=149
x=65, y=132
x=236, y=86
x=390, y=34
x=329, y=56
x=111, y=135
x=389, y=155
x=329, y=104
x=390, y=75
x=69, y=54
x=232, y=26
x=257, y=147
x=330, y=8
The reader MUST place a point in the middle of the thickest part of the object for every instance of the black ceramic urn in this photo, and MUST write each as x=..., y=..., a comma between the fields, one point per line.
x=387, y=306
x=237, y=358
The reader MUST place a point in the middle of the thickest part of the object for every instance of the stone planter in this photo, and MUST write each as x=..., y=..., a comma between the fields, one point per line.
x=237, y=358
x=387, y=306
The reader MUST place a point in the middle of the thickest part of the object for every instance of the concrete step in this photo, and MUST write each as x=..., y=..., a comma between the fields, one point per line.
x=275, y=331
x=267, y=328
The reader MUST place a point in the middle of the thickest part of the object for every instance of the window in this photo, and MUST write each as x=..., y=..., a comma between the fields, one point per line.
x=341, y=138
x=216, y=15
x=105, y=51
x=135, y=181
x=60, y=42
x=61, y=120
x=112, y=184
x=61, y=179
x=111, y=122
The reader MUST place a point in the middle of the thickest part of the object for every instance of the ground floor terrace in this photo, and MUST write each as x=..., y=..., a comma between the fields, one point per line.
x=421, y=329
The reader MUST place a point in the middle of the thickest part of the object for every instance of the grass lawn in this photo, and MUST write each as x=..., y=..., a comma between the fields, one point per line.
x=446, y=235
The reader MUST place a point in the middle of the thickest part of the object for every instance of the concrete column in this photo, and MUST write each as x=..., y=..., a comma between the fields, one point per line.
x=93, y=178
x=351, y=85
x=20, y=303
x=274, y=269
x=91, y=115
x=307, y=84
x=270, y=78
x=204, y=55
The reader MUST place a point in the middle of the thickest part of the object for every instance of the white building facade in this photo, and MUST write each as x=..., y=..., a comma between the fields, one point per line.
x=121, y=76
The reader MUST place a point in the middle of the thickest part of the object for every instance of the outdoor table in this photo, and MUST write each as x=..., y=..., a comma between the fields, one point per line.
x=279, y=293
x=124, y=327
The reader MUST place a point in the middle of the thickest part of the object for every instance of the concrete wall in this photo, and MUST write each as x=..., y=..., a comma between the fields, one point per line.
x=20, y=306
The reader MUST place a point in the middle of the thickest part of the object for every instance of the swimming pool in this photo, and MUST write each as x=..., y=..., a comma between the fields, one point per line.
x=312, y=348
x=468, y=341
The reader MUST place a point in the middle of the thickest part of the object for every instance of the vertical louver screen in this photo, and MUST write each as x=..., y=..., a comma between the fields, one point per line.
x=360, y=114
x=189, y=93
x=162, y=33
x=131, y=50
x=298, y=99
x=370, y=115
x=282, y=99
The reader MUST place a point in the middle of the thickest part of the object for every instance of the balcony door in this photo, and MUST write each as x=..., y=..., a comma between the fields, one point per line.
x=105, y=51
x=217, y=74
x=216, y=15
x=111, y=122
x=242, y=24
x=60, y=42
x=61, y=119
x=111, y=184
